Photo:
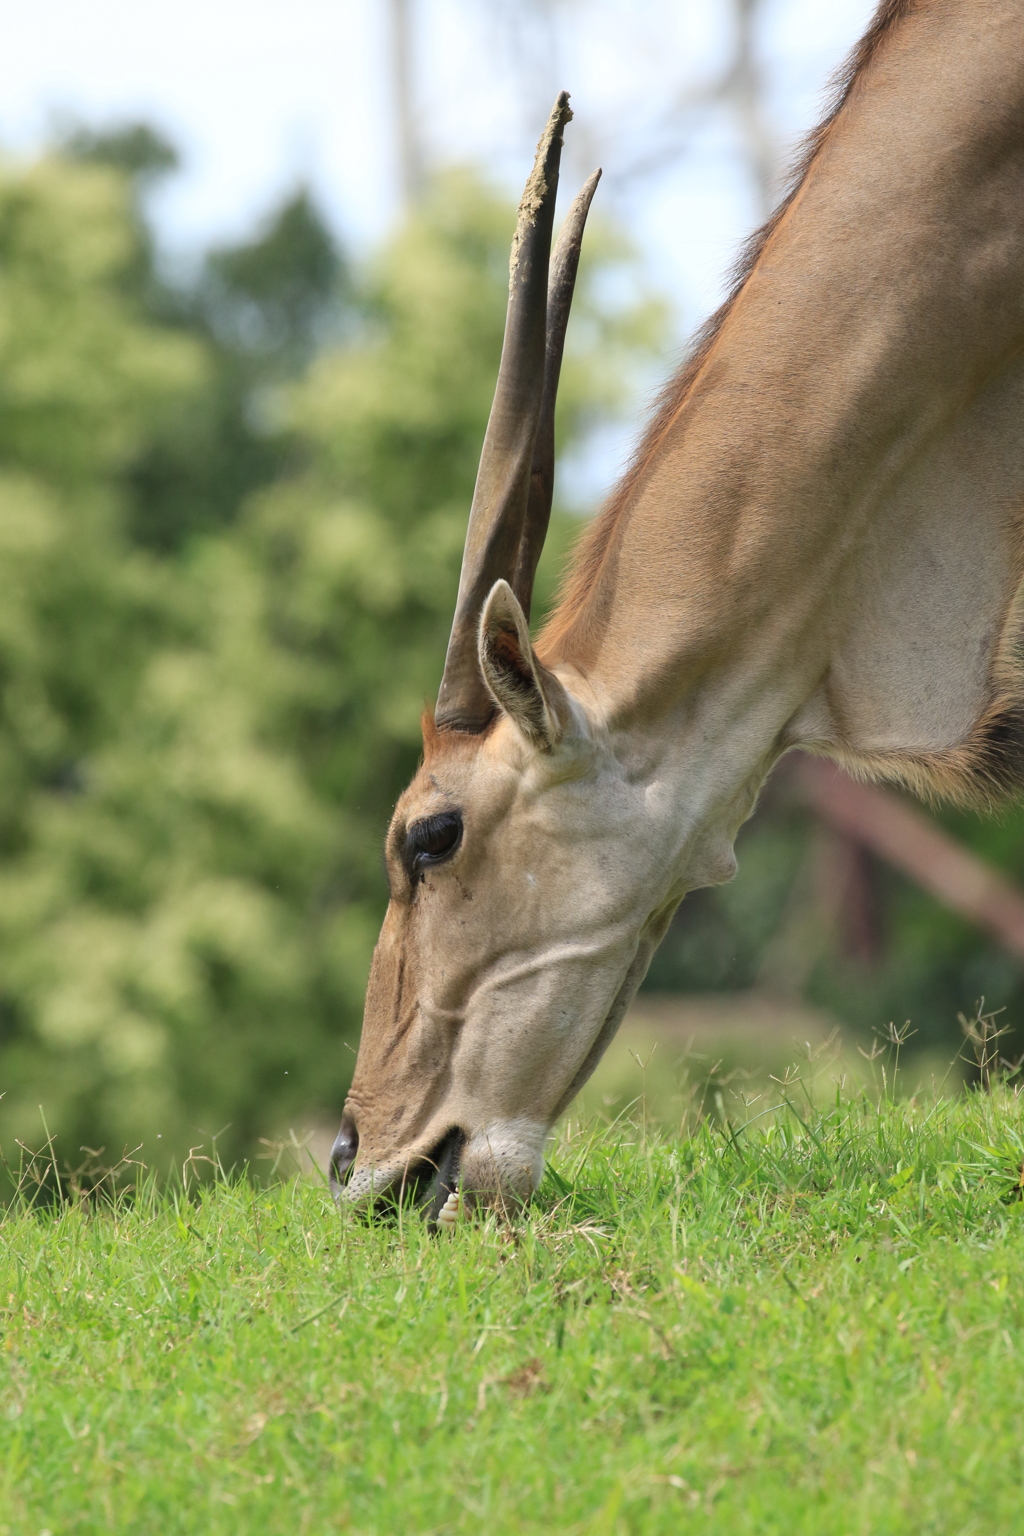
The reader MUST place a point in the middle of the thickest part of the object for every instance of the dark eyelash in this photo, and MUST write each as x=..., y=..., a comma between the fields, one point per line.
x=431, y=841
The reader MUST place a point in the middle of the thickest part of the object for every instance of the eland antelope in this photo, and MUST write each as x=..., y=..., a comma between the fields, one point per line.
x=819, y=544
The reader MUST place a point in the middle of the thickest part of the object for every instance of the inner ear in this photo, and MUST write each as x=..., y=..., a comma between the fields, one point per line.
x=510, y=669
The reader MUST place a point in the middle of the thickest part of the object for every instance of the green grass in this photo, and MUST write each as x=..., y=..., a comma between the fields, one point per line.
x=815, y=1325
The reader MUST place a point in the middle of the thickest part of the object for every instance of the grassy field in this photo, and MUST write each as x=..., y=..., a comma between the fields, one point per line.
x=812, y=1325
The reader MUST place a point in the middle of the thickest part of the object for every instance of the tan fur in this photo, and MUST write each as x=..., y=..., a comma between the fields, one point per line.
x=571, y=624
x=820, y=544
x=727, y=391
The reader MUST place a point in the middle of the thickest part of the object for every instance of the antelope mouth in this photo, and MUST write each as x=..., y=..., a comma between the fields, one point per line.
x=444, y=1181
x=425, y=1181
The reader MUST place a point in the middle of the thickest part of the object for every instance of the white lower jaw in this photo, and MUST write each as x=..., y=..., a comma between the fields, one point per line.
x=506, y=1156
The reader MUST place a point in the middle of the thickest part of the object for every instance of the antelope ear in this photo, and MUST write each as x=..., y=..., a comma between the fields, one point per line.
x=520, y=686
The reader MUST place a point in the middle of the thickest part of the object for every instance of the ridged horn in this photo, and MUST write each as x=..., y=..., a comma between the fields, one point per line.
x=561, y=282
x=498, y=514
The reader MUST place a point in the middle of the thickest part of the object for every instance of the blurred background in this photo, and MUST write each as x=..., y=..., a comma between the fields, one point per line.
x=253, y=264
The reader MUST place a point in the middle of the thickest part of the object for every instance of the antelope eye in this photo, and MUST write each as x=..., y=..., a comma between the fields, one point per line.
x=432, y=840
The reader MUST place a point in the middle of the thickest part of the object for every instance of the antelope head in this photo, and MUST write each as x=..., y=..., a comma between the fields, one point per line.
x=515, y=936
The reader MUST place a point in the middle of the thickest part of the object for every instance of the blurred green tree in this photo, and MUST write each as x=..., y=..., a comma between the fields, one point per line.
x=262, y=308
x=868, y=950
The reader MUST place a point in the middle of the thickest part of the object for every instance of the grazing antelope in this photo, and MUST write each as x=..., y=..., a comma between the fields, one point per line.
x=819, y=544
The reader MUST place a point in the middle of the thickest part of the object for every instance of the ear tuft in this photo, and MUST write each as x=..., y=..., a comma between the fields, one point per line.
x=511, y=670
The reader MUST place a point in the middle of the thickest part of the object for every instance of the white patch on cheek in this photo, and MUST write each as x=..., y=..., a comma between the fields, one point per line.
x=507, y=1154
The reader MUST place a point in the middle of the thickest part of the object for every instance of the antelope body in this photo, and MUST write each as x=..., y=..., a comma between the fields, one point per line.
x=820, y=544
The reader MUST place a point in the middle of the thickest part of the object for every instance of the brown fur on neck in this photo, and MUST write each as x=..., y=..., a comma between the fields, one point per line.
x=573, y=629
x=987, y=763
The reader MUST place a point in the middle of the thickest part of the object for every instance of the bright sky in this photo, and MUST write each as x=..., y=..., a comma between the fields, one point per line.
x=260, y=93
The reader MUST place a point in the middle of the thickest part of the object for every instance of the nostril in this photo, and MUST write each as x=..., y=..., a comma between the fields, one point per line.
x=343, y=1153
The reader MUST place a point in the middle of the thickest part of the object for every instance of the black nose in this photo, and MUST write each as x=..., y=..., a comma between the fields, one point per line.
x=343, y=1153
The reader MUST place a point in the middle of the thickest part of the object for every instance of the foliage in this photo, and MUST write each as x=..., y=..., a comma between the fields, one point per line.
x=82, y=378
x=275, y=297
x=808, y=1326
x=781, y=926
x=209, y=706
